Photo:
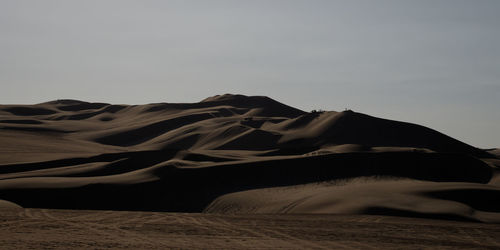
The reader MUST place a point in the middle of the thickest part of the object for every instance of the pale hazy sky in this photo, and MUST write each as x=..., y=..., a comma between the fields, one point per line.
x=435, y=63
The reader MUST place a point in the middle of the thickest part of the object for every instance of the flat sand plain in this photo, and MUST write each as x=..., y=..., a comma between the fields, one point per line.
x=85, y=229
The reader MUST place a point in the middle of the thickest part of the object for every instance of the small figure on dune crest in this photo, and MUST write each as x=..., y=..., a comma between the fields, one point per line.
x=318, y=111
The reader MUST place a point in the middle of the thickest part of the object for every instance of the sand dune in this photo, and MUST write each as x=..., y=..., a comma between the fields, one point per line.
x=404, y=197
x=239, y=154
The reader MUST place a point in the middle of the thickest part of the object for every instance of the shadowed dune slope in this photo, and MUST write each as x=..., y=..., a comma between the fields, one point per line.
x=238, y=154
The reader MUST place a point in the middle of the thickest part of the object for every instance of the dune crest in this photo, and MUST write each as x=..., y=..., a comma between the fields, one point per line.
x=236, y=153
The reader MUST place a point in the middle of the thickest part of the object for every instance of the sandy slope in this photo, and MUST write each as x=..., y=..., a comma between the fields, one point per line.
x=235, y=153
x=404, y=197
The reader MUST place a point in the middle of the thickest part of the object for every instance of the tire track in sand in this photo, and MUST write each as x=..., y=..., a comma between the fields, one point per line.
x=273, y=235
x=106, y=230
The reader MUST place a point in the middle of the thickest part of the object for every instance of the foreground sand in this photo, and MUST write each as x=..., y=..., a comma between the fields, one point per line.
x=80, y=229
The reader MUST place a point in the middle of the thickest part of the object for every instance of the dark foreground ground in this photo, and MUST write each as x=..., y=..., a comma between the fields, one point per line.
x=73, y=229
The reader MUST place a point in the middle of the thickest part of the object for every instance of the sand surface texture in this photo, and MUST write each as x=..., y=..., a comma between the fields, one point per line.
x=78, y=229
x=233, y=154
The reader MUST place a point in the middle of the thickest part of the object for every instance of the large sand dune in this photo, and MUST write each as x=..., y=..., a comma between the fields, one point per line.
x=239, y=154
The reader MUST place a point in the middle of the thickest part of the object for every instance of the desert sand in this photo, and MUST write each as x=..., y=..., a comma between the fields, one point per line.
x=84, y=229
x=235, y=157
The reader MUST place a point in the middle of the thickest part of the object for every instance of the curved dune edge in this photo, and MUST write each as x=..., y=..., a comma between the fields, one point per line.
x=239, y=154
x=9, y=205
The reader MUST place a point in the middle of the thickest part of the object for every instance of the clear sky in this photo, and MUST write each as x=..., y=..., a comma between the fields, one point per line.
x=431, y=62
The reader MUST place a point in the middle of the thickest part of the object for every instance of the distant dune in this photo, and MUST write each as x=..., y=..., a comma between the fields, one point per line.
x=239, y=154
